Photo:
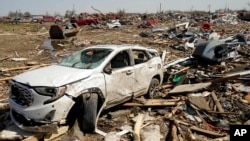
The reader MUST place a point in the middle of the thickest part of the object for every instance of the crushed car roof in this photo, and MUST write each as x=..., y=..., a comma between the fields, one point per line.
x=119, y=47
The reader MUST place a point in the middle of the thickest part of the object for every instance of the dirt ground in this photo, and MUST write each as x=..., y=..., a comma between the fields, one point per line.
x=28, y=42
x=23, y=45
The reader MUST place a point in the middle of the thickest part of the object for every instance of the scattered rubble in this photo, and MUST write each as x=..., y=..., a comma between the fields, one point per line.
x=199, y=100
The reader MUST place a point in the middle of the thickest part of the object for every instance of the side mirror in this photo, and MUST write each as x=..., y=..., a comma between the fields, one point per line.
x=108, y=69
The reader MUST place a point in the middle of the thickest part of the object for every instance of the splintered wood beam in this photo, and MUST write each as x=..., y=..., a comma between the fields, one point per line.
x=207, y=132
x=137, y=127
x=6, y=78
x=118, y=113
x=153, y=102
x=62, y=130
x=217, y=102
x=182, y=70
x=197, y=129
x=35, y=137
x=223, y=79
x=174, y=133
x=227, y=113
x=5, y=58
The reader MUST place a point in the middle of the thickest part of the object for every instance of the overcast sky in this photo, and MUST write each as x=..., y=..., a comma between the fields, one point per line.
x=142, y=6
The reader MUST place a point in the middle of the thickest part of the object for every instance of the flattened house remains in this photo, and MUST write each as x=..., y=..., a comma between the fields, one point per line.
x=199, y=100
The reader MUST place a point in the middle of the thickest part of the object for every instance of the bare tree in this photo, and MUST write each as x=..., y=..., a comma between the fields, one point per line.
x=11, y=14
x=27, y=14
x=69, y=14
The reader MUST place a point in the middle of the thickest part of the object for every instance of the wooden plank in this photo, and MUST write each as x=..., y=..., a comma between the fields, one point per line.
x=166, y=86
x=186, y=88
x=199, y=102
x=153, y=102
x=6, y=78
x=197, y=129
x=62, y=130
x=137, y=127
x=182, y=70
x=225, y=78
x=217, y=102
x=174, y=133
x=118, y=113
x=5, y=58
x=207, y=132
x=226, y=113
x=36, y=137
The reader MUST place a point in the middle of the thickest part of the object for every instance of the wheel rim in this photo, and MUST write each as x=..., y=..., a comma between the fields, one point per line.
x=154, y=89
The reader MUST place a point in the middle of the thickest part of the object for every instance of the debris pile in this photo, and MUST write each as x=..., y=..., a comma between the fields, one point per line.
x=206, y=86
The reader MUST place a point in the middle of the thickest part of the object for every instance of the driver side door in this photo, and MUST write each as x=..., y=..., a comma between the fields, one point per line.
x=120, y=83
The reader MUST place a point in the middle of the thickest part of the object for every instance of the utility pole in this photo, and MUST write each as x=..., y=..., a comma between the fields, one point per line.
x=73, y=8
x=160, y=7
x=226, y=7
x=209, y=7
x=248, y=3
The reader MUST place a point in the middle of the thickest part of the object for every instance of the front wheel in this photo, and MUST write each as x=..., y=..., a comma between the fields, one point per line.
x=153, y=90
x=90, y=103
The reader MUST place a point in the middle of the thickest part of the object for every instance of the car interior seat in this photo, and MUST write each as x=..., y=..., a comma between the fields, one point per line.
x=119, y=61
x=140, y=58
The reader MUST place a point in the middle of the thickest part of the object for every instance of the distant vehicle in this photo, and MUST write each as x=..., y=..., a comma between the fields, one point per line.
x=82, y=85
x=35, y=18
x=83, y=21
x=114, y=24
x=48, y=19
x=244, y=15
x=16, y=20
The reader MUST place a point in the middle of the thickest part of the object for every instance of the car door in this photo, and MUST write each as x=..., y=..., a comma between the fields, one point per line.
x=144, y=70
x=120, y=83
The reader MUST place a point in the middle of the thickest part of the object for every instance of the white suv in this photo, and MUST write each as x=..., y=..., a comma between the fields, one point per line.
x=82, y=85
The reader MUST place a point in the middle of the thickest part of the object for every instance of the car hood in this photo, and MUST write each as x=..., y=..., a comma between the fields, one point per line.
x=52, y=76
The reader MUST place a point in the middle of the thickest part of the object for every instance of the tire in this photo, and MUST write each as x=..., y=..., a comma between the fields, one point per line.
x=153, y=90
x=90, y=104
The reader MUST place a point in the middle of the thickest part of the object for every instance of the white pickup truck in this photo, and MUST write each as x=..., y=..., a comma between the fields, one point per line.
x=82, y=85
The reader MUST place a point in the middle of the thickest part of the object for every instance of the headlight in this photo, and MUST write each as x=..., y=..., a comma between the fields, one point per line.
x=51, y=91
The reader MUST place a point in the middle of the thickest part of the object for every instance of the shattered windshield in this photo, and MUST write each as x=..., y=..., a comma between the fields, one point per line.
x=86, y=59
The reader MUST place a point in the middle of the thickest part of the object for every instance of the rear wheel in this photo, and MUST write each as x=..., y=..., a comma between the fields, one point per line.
x=90, y=103
x=153, y=90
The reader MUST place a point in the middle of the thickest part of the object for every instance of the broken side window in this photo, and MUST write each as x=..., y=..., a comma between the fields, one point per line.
x=121, y=60
x=140, y=56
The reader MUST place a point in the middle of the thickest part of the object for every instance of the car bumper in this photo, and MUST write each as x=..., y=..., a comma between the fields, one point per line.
x=46, y=128
x=41, y=117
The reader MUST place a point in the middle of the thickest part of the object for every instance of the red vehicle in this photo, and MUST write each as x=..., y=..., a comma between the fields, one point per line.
x=48, y=19
x=84, y=21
